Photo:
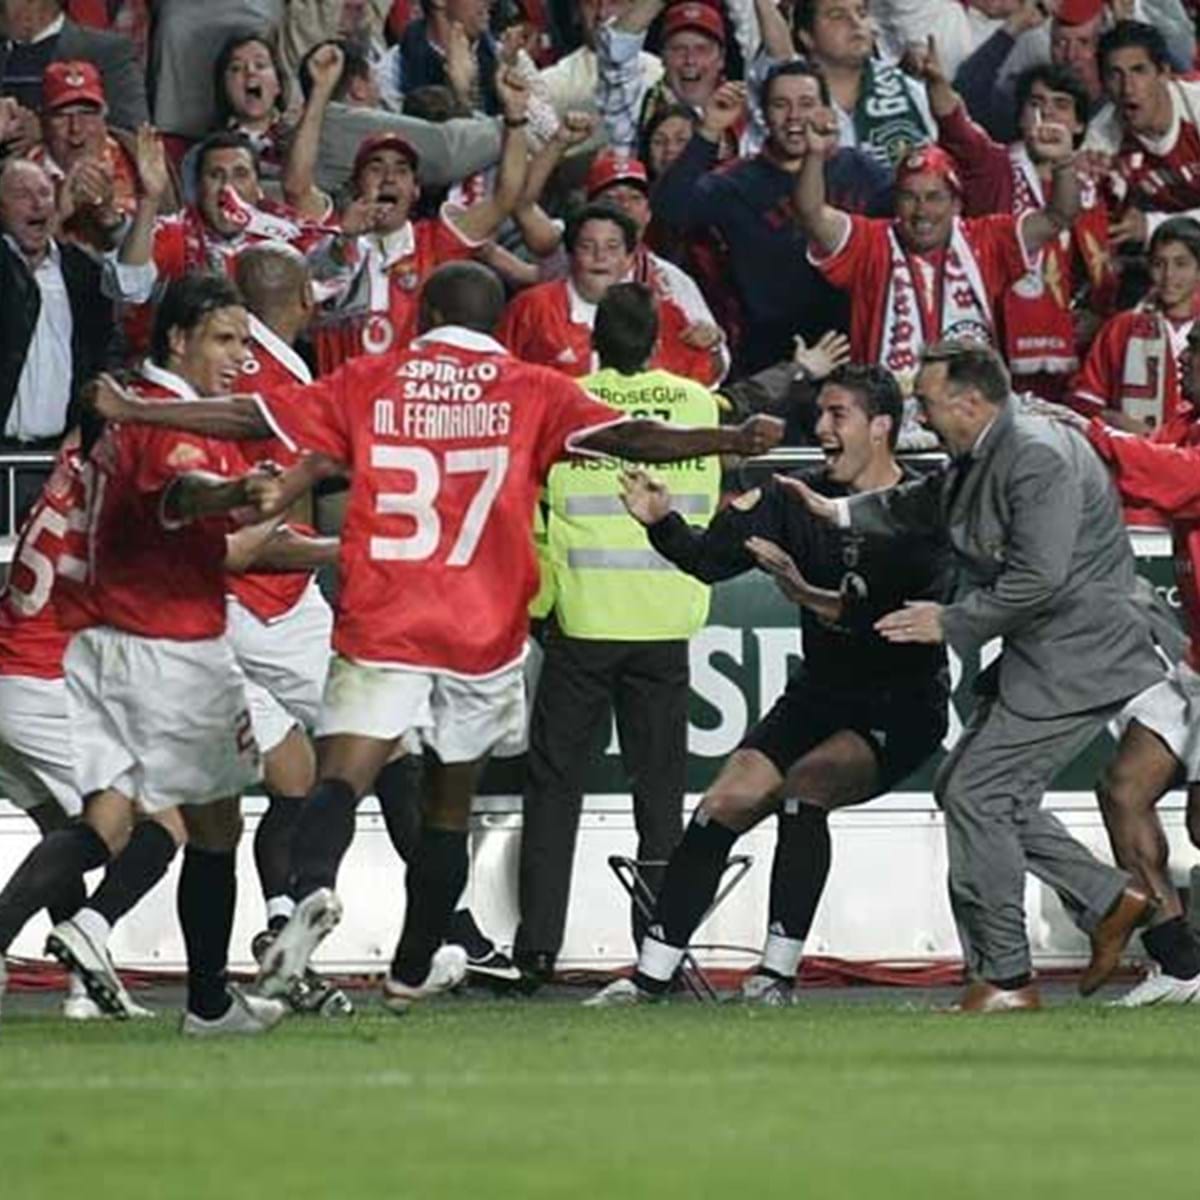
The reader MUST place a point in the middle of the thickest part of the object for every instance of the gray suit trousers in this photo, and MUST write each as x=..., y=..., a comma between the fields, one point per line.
x=990, y=789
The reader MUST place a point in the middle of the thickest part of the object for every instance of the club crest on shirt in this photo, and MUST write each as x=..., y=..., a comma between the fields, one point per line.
x=184, y=456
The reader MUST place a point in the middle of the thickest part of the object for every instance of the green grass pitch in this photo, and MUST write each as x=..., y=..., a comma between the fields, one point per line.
x=495, y=1099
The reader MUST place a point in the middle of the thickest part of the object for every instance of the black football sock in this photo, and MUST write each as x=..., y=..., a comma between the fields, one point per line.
x=134, y=871
x=436, y=877
x=322, y=836
x=1173, y=946
x=463, y=931
x=689, y=885
x=273, y=855
x=206, y=898
x=46, y=876
x=398, y=788
x=69, y=900
x=798, y=875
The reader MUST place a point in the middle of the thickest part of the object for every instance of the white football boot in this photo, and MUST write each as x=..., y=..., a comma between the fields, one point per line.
x=447, y=969
x=620, y=994
x=70, y=944
x=286, y=958
x=1159, y=988
x=246, y=1014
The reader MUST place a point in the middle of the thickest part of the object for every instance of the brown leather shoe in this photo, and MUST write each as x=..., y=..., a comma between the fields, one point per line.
x=984, y=997
x=1111, y=936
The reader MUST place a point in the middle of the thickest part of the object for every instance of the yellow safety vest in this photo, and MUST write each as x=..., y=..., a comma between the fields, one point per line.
x=609, y=582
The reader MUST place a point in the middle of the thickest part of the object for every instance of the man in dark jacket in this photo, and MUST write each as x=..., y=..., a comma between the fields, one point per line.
x=57, y=329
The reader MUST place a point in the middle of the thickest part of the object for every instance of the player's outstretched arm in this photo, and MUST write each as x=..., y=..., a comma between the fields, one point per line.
x=645, y=440
x=780, y=565
x=276, y=549
x=197, y=494
x=237, y=418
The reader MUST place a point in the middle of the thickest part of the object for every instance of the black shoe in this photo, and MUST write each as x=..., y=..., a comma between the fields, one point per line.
x=536, y=970
x=494, y=969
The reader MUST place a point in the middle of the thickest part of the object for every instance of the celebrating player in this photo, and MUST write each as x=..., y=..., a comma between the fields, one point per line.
x=447, y=443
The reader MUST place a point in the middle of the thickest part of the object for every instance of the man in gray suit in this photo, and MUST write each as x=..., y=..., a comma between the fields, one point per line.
x=39, y=33
x=1044, y=564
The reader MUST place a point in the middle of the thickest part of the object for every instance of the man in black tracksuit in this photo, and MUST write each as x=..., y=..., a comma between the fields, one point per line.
x=859, y=715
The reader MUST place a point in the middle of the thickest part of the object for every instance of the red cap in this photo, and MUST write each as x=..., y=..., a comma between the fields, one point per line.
x=611, y=166
x=71, y=82
x=375, y=142
x=702, y=18
x=929, y=160
x=1078, y=12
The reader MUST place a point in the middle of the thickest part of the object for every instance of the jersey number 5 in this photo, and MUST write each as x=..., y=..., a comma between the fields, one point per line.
x=420, y=501
x=29, y=602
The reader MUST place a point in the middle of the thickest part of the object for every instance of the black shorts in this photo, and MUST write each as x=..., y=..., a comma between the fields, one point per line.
x=904, y=723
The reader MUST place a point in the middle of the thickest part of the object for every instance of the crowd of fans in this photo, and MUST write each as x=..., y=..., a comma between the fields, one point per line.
x=896, y=171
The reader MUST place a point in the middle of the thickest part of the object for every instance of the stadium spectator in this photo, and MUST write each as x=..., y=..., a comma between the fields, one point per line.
x=447, y=150
x=306, y=26
x=552, y=322
x=397, y=253
x=1151, y=127
x=959, y=28
x=57, y=328
x=1044, y=563
x=573, y=83
x=694, y=60
x=618, y=642
x=93, y=166
x=664, y=137
x=1038, y=314
x=780, y=295
x=40, y=33
x=451, y=44
x=879, y=109
x=1133, y=373
x=186, y=38
x=929, y=273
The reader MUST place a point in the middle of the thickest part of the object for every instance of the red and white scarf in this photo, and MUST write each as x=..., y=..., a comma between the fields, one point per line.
x=927, y=301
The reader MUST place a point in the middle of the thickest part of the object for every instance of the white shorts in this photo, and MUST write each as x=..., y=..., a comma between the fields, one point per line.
x=459, y=719
x=285, y=661
x=36, y=761
x=1171, y=709
x=164, y=722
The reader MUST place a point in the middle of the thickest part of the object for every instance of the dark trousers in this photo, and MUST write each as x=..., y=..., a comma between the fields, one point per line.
x=583, y=682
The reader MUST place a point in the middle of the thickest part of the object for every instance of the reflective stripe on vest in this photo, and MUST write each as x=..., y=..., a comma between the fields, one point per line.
x=580, y=558
x=693, y=504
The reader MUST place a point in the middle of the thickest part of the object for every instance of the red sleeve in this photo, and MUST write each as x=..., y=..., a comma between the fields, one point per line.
x=568, y=412
x=865, y=240
x=314, y=416
x=985, y=166
x=513, y=324
x=1097, y=384
x=997, y=242
x=156, y=457
x=449, y=243
x=1153, y=473
x=168, y=249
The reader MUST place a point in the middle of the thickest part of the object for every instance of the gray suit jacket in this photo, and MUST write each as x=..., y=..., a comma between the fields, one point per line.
x=1044, y=563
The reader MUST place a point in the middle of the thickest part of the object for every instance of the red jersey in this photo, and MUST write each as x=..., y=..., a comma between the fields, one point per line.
x=32, y=638
x=1164, y=472
x=272, y=366
x=901, y=301
x=551, y=323
x=448, y=443
x=143, y=575
x=1133, y=367
x=1154, y=174
x=378, y=312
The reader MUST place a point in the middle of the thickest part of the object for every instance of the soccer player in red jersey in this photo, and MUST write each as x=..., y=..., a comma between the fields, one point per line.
x=158, y=712
x=37, y=770
x=447, y=443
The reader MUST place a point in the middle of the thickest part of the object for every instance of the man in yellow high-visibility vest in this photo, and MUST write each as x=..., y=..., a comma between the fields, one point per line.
x=618, y=641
